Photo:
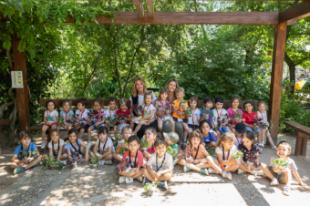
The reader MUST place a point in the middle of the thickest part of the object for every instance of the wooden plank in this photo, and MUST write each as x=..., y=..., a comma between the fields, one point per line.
x=139, y=7
x=298, y=127
x=150, y=8
x=276, y=78
x=19, y=61
x=296, y=12
x=298, y=144
x=174, y=18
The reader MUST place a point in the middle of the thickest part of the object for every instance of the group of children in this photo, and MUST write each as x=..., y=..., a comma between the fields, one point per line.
x=217, y=140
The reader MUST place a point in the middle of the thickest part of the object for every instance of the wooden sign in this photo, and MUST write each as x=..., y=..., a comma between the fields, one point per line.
x=17, y=79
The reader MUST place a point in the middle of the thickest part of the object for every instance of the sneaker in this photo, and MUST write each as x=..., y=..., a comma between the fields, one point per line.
x=186, y=169
x=211, y=171
x=286, y=190
x=274, y=182
x=121, y=179
x=19, y=170
x=129, y=180
x=240, y=171
x=101, y=163
x=228, y=175
x=163, y=185
x=204, y=171
x=108, y=162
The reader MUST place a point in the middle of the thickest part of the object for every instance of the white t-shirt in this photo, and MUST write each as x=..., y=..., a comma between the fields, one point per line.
x=225, y=155
x=56, y=148
x=109, y=114
x=82, y=117
x=51, y=117
x=108, y=145
x=164, y=163
x=194, y=118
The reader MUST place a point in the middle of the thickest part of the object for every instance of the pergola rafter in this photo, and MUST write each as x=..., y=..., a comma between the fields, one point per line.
x=279, y=20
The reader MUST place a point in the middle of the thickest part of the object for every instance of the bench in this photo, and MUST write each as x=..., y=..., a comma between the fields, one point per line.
x=302, y=135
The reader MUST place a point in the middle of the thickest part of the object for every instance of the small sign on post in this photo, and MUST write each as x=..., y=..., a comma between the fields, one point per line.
x=17, y=79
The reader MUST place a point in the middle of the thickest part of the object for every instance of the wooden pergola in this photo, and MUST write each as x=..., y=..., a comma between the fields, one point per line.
x=279, y=20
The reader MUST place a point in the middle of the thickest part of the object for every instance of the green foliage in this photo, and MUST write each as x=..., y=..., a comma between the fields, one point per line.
x=52, y=163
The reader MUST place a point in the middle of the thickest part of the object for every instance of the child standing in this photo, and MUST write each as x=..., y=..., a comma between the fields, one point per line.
x=234, y=113
x=193, y=115
x=82, y=120
x=263, y=125
x=110, y=114
x=131, y=166
x=123, y=115
x=159, y=167
x=251, y=152
x=148, y=142
x=122, y=145
x=103, y=148
x=56, y=146
x=148, y=116
x=50, y=121
x=163, y=110
x=219, y=118
x=97, y=118
x=179, y=107
x=25, y=155
x=196, y=157
x=77, y=151
x=208, y=135
x=66, y=116
x=225, y=154
x=206, y=109
x=283, y=168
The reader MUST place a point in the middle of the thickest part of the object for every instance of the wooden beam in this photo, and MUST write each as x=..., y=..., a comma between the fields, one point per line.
x=276, y=78
x=296, y=12
x=139, y=7
x=19, y=61
x=173, y=18
x=150, y=8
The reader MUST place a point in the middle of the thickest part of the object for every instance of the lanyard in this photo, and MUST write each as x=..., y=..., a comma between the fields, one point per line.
x=135, y=162
x=197, y=152
x=22, y=151
x=103, y=146
x=58, y=148
x=76, y=150
x=228, y=153
x=162, y=163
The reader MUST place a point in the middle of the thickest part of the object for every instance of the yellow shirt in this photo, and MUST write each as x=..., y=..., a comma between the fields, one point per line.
x=179, y=108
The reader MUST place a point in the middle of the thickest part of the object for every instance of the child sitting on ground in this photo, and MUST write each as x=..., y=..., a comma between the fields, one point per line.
x=250, y=154
x=193, y=114
x=103, y=150
x=163, y=110
x=239, y=131
x=196, y=157
x=66, y=116
x=82, y=119
x=283, y=168
x=131, y=166
x=56, y=146
x=208, y=135
x=50, y=121
x=206, y=109
x=123, y=115
x=225, y=153
x=148, y=141
x=219, y=118
x=122, y=145
x=110, y=114
x=97, y=118
x=148, y=115
x=76, y=150
x=159, y=168
x=25, y=155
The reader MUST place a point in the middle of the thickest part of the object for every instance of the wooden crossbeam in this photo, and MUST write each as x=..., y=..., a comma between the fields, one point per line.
x=296, y=12
x=139, y=7
x=173, y=18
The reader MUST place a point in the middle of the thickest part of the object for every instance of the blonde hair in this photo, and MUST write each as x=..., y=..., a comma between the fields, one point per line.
x=134, y=91
x=228, y=136
x=286, y=144
x=195, y=133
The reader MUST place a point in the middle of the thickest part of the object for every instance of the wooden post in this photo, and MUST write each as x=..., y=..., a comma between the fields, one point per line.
x=19, y=61
x=276, y=78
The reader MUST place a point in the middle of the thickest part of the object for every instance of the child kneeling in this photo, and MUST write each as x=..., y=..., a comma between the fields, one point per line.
x=131, y=166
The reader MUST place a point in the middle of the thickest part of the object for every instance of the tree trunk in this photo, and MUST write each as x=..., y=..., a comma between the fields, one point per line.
x=292, y=69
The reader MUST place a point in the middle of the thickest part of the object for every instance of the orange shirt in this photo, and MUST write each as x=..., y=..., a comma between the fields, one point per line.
x=179, y=108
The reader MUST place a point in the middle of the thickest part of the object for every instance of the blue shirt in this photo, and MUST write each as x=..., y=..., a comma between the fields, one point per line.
x=22, y=152
x=211, y=137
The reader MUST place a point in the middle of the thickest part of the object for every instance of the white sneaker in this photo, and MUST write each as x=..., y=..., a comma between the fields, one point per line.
x=229, y=176
x=121, y=179
x=240, y=171
x=211, y=171
x=129, y=180
x=286, y=190
x=274, y=182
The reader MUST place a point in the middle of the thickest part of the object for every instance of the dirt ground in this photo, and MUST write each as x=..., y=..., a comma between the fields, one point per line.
x=89, y=186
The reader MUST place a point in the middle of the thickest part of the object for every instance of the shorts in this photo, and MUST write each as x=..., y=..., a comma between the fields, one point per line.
x=280, y=177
